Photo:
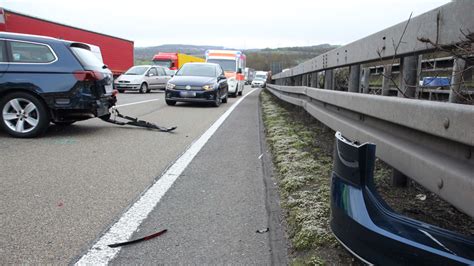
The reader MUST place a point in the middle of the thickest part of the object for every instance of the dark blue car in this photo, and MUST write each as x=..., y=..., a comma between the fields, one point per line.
x=198, y=82
x=45, y=80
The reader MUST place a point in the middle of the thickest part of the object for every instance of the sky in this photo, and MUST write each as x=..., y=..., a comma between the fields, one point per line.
x=242, y=24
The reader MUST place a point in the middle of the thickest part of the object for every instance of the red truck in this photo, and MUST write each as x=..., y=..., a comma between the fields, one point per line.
x=174, y=61
x=117, y=53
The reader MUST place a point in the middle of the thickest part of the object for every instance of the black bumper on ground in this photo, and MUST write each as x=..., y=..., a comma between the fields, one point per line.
x=369, y=229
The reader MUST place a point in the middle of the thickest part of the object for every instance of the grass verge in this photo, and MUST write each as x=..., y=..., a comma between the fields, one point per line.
x=301, y=150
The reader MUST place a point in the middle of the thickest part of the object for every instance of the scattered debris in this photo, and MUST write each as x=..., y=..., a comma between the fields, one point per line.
x=132, y=121
x=138, y=240
x=60, y=204
x=260, y=157
x=261, y=231
x=420, y=197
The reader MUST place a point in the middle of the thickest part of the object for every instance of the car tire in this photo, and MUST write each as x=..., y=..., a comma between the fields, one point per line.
x=218, y=100
x=148, y=90
x=240, y=92
x=143, y=88
x=170, y=103
x=33, y=112
x=64, y=123
x=225, y=98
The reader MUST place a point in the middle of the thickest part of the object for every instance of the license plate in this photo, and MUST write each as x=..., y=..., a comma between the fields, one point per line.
x=187, y=94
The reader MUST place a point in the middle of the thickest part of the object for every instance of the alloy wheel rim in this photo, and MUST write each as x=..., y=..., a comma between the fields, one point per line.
x=20, y=115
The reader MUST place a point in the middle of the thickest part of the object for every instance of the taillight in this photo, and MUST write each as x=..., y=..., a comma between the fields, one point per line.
x=88, y=75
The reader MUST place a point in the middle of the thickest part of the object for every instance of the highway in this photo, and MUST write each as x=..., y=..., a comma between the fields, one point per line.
x=61, y=193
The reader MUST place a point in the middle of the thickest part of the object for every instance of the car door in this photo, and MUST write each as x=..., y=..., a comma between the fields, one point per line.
x=3, y=58
x=153, y=78
x=222, y=83
x=163, y=78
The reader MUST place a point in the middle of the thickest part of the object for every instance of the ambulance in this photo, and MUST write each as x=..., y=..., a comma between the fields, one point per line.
x=233, y=63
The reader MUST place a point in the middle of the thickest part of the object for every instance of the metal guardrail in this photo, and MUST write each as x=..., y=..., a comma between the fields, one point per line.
x=445, y=25
x=431, y=142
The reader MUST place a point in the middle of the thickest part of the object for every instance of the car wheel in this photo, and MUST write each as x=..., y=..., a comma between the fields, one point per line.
x=23, y=115
x=64, y=123
x=148, y=90
x=240, y=92
x=171, y=103
x=121, y=91
x=143, y=88
x=217, y=101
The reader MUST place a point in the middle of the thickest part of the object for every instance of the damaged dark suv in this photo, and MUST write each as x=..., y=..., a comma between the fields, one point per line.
x=45, y=80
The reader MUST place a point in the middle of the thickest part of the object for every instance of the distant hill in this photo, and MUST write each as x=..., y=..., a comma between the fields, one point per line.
x=261, y=59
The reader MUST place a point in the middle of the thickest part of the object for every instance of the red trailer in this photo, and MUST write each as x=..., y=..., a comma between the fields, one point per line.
x=117, y=53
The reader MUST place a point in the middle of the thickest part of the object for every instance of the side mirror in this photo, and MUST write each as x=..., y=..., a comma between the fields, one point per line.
x=239, y=71
x=221, y=77
x=150, y=74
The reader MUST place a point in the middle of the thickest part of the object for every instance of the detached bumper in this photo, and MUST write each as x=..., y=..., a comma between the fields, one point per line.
x=368, y=228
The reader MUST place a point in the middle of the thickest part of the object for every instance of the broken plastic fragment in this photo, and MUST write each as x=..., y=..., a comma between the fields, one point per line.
x=138, y=240
x=261, y=231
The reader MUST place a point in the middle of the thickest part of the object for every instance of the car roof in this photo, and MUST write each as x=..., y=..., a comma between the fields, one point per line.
x=149, y=66
x=31, y=37
x=202, y=63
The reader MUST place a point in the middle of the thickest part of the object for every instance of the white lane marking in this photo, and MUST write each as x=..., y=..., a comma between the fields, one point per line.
x=122, y=230
x=127, y=104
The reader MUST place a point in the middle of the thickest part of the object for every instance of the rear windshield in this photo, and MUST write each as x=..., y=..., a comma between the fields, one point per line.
x=87, y=58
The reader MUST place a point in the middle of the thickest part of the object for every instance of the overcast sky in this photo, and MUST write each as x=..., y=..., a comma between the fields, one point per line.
x=237, y=24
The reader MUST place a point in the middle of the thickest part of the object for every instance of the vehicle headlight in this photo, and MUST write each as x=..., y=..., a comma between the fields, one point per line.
x=208, y=87
x=170, y=86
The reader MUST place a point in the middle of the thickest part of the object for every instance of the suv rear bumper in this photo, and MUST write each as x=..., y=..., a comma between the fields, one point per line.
x=79, y=107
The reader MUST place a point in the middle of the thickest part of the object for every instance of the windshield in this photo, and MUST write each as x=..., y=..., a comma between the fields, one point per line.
x=87, y=58
x=199, y=70
x=227, y=65
x=163, y=63
x=137, y=70
x=260, y=77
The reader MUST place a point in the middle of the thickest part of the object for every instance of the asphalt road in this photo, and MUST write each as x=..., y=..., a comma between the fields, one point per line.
x=61, y=192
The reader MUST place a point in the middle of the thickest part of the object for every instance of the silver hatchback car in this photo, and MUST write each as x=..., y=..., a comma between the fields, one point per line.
x=143, y=78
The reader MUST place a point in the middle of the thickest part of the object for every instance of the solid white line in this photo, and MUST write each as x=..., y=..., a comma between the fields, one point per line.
x=122, y=230
x=127, y=104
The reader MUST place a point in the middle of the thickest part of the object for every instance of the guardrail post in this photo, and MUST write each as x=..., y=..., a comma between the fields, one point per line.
x=365, y=80
x=387, y=78
x=408, y=76
x=329, y=79
x=457, y=80
x=354, y=78
x=314, y=80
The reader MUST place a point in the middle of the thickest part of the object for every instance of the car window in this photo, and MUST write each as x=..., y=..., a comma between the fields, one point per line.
x=3, y=57
x=87, y=58
x=161, y=72
x=153, y=71
x=23, y=52
x=137, y=70
x=201, y=70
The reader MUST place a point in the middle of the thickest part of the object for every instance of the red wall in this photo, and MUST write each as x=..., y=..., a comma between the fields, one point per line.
x=117, y=53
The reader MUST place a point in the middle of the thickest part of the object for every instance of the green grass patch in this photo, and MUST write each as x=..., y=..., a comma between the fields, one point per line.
x=303, y=163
